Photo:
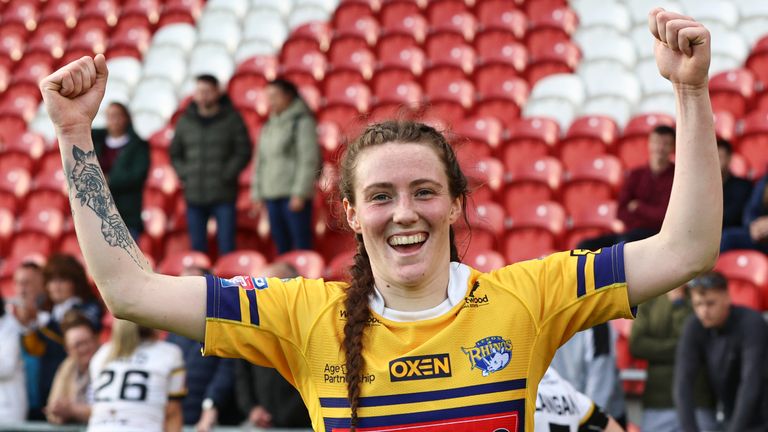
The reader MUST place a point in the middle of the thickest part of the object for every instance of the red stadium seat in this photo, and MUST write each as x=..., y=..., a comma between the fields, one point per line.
x=174, y=264
x=47, y=198
x=551, y=27
x=15, y=159
x=24, y=12
x=64, y=11
x=21, y=99
x=757, y=61
x=26, y=246
x=739, y=166
x=587, y=137
x=15, y=182
x=403, y=17
x=486, y=226
x=502, y=97
x=590, y=180
x=317, y=31
x=753, y=142
x=747, y=274
x=535, y=230
x=561, y=57
x=481, y=128
x=732, y=91
x=485, y=175
x=309, y=264
x=129, y=39
x=49, y=38
x=409, y=58
x=632, y=147
x=459, y=93
x=498, y=47
x=365, y=28
x=33, y=67
x=532, y=182
x=240, y=263
x=247, y=92
x=98, y=12
x=453, y=16
x=7, y=220
x=14, y=41
x=354, y=94
x=589, y=221
x=312, y=63
x=346, y=54
x=725, y=125
x=93, y=39
x=338, y=267
x=265, y=66
x=48, y=221
x=502, y=15
x=30, y=143
x=163, y=177
x=450, y=49
x=485, y=261
x=530, y=138
x=347, y=13
x=149, y=9
x=6, y=67
x=408, y=93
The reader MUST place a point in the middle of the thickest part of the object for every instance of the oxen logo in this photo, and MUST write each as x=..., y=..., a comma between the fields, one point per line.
x=420, y=367
x=490, y=354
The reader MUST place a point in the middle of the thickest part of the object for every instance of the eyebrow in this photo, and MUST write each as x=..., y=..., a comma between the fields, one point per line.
x=387, y=185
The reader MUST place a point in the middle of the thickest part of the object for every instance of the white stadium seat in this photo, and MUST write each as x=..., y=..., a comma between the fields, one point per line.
x=617, y=108
x=601, y=13
x=126, y=69
x=180, y=35
x=753, y=28
x=303, y=14
x=248, y=49
x=146, y=123
x=712, y=11
x=326, y=5
x=558, y=109
x=265, y=25
x=219, y=26
x=165, y=61
x=283, y=7
x=600, y=43
x=609, y=80
x=568, y=87
x=211, y=59
x=659, y=103
x=157, y=95
x=42, y=124
x=639, y=9
x=237, y=7
x=651, y=82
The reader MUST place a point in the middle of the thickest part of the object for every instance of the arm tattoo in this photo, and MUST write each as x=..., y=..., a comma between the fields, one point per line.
x=87, y=182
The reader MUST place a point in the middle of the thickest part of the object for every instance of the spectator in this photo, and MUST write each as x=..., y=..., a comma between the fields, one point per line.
x=267, y=399
x=644, y=198
x=13, y=392
x=729, y=343
x=588, y=362
x=286, y=167
x=753, y=234
x=124, y=158
x=137, y=382
x=209, y=149
x=210, y=381
x=68, y=401
x=67, y=286
x=736, y=190
x=29, y=310
x=654, y=338
x=559, y=407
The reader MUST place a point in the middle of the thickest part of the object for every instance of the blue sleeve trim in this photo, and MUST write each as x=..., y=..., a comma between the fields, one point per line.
x=223, y=301
x=581, y=282
x=609, y=266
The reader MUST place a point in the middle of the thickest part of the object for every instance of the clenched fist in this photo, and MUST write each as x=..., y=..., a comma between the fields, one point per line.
x=682, y=48
x=73, y=93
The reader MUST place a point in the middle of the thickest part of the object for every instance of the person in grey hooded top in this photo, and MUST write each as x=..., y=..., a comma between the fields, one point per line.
x=286, y=167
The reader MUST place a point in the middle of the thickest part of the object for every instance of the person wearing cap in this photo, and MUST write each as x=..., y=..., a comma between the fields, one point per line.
x=730, y=342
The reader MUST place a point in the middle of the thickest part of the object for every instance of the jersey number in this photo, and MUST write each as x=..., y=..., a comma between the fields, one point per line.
x=133, y=385
x=558, y=428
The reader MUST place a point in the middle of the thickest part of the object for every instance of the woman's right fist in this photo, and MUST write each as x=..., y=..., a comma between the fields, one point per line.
x=73, y=93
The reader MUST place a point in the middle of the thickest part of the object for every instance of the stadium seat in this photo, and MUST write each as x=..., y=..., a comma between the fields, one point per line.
x=312, y=63
x=442, y=17
x=345, y=54
x=64, y=11
x=7, y=221
x=247, y=92
x=394, y=52
x=174, y=264
x=47, y=221
x=238, y=8
x=365, y=28
x=606, y=45
x=29, y=143
x=49, y=38
x=222, y=26
x=317, y=31
x=33, y=67
x=732, y=91
x=403, y=17
x=710, y=12
x=157, y=95
x=457, y=91
x=529, y=139
x=450, y=49
x=501, y=15
x=129, y=38
x=486, y=227
x=16, y=159
x=747, y=274
x=43, y=197
x=348, y=93
x=729, y=50
x=500, y=47
x=347, y=13
x=534, y=230
x=21, y=99
x=165, y=62
x=551, y=28
x=591, y=179
x=15, y=182
x=309, y=263
x=586, y=137
x=632, y=147
x=24, y=12
x=338, y=267
x=485, y=261
x=561, y=57
x=591, y=220
x=83, y=39
x=239, y=263
x=163, y=177
x=559, y=110
x=208, y=58
x=753, y=142
x=407, y=93
x=481, y=128
x=485, y=175
x=529, y=182
x=597, y=13
x=266, y=25
x=180, y=35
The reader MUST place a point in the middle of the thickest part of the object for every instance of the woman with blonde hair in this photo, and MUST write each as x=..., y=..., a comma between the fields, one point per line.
x=137, y=382
x=417, y=339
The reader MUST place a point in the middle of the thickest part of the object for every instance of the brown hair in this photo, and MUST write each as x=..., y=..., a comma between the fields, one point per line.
x=74, y=318
x=67, y=267
x=361, y=286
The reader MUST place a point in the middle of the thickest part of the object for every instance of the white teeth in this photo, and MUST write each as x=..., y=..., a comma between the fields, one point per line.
x=407, y=240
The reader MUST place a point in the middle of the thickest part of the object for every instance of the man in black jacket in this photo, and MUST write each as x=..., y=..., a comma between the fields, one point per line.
x=209, y=149
x=731, y=343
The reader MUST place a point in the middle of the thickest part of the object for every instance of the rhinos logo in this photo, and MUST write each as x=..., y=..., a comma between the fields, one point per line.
x=490, y=354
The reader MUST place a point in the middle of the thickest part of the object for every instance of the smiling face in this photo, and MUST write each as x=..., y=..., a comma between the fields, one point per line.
x=404, y=209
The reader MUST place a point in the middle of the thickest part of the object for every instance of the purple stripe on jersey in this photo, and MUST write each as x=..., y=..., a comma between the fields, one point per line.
x=609, y=266
x=581, y=284
x=251, y=294
x=427, y=396
x=223, y=301
x=444, y=416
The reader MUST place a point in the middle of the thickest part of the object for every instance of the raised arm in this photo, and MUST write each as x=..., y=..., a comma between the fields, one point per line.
x=689, y=239
x=130, y=289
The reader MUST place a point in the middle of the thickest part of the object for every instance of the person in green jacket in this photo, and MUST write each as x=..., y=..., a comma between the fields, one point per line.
x=286, y=167
x=654, y=337
x=124, y=158
x=210, y=147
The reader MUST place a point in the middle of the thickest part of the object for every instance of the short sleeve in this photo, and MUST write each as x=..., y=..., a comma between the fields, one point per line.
x=262, y=320
x=571, y=291
x=177, y=377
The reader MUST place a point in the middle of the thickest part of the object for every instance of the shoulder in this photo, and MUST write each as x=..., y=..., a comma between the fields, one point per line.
x=750, y=318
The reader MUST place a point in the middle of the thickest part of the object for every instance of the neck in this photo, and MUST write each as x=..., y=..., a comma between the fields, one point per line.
x=209, y=111
x=417, y=297
x=659, y=168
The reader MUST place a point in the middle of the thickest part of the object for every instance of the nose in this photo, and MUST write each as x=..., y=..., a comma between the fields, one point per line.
x=404, y=213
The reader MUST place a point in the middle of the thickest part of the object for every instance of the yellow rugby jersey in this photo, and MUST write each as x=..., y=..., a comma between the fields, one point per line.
x=475, y=368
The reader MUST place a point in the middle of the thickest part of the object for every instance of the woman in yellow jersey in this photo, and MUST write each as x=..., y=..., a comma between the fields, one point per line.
x=417, y=341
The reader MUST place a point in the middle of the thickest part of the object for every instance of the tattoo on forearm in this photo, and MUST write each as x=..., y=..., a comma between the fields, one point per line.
x=87, y=184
